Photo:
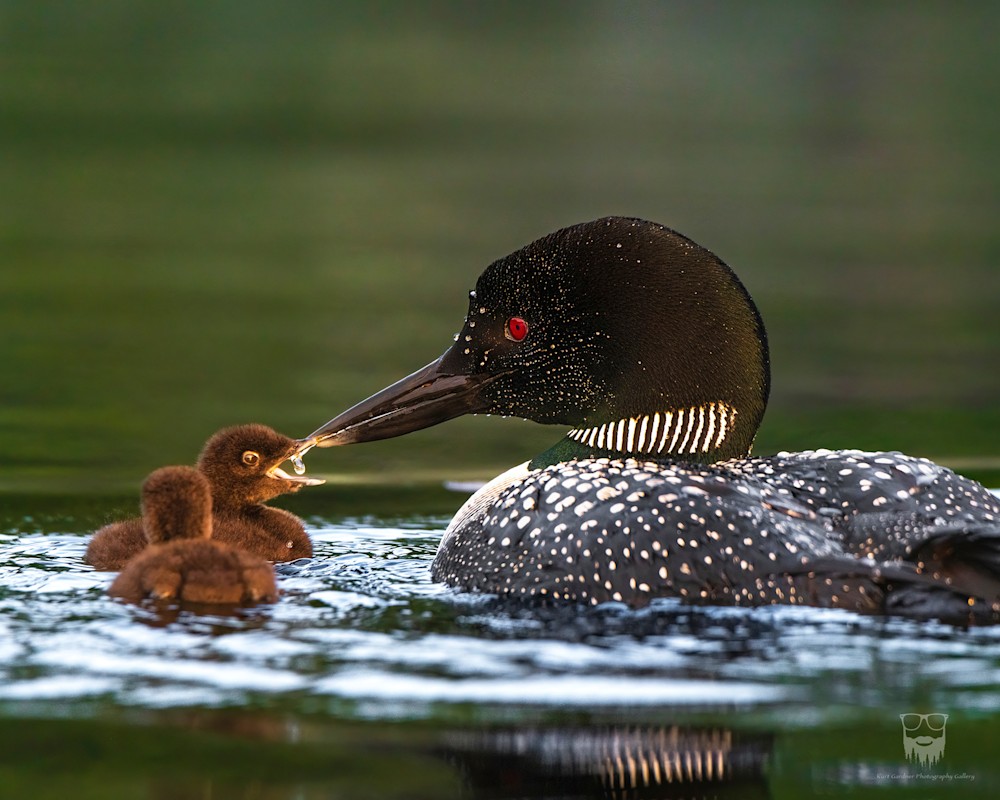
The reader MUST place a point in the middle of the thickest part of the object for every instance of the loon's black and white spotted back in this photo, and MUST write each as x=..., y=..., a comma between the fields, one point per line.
x=869, y=532
x=651, y=351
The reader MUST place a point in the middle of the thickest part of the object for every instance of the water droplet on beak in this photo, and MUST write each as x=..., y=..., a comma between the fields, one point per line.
x=298, y=465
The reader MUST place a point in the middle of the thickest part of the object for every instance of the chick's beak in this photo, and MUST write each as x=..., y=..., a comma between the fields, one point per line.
x=299, y=479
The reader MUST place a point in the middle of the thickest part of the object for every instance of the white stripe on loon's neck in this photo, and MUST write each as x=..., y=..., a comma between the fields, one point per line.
x=680, y=431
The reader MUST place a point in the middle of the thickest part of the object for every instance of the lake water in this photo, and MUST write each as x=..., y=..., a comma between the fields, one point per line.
x=243, y=211
x=366, y=679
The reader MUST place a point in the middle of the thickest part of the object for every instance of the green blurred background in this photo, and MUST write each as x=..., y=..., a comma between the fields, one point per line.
x=218, y=212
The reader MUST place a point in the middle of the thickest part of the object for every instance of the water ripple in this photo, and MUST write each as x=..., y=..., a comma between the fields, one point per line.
x=362, y=623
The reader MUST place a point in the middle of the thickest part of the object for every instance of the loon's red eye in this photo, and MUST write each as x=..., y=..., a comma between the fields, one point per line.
x=516, y=329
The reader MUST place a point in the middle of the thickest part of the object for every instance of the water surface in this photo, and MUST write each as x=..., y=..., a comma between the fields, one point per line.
x=427, y=692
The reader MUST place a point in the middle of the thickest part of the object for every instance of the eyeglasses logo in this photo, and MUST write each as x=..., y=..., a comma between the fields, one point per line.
x=923, y=737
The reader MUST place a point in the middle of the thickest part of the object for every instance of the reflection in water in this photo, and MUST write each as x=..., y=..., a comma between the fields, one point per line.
x=621, y=762
x=218, y=618
x=617, y=762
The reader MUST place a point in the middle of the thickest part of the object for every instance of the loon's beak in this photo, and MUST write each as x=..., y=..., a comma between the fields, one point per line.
x=429, y=396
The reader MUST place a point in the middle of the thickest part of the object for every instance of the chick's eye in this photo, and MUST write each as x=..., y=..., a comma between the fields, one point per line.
x=516, y=329
x=251, y=459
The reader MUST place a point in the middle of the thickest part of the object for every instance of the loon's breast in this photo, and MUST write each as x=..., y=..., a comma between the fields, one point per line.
x=835, y=529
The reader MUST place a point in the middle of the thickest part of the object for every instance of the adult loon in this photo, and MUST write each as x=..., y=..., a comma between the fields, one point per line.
x=649, y=348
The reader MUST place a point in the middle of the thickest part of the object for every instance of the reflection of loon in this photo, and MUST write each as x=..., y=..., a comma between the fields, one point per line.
x=651, y=350
x=632, y=762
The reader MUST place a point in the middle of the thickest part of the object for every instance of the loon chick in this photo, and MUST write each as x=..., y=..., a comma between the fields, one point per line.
x=243, y=468
x=181, y=562
x=649, y=348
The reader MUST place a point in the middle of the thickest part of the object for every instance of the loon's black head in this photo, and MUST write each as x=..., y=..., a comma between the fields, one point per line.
x=641, y=340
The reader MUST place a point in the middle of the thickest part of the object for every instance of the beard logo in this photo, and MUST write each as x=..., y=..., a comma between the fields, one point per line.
x=923, y=737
